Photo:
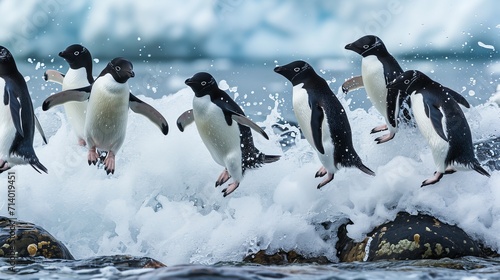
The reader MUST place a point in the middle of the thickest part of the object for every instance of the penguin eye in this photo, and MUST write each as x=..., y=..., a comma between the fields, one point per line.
x=118, y=68
x=366, y=47
x=203, y=83
x=407, y=82
x=296, y=69
x=76, y=53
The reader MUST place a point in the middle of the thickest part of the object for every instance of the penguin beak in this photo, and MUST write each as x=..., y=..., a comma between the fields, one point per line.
x=278, y=69
x=188, y=81
x=61, y=54
x=348, y=47
x=132, y=74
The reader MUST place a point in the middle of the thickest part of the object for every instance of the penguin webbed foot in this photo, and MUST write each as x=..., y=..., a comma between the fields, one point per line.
x=327, y=180
x=109, y=163
x=385, y=138
x=379, y=128
x=437, y=176
x=4, y=166
x=231, y=188
x=321, y=172
x=92, y=156
x=223, y=177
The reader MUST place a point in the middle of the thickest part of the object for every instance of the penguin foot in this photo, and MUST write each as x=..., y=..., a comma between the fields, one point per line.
x=379, y=128
x=233, y=186
x=223, y=177
x=432, y=180
x=4, y=166
x=82, y=142
x=385, y=138
x=109, y=163
x=321, y=172
x=92, y=156
x=326, y=181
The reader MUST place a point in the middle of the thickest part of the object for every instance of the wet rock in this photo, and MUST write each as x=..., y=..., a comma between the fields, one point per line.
x=120, y=262
x=409, y=237
x=488, y=152
x=29, y=240
x=282, y=257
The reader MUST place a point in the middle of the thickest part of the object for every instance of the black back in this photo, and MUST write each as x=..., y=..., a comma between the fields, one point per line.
x=204, y=84
x=120, y=68
x=77, y=57
x=436, y=97
x=322, y=101
x=16, y=94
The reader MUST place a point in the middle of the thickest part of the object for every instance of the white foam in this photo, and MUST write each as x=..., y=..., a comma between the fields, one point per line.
x=275, y=207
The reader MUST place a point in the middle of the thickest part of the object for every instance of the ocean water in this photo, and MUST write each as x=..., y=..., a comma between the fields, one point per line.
x=161, y=201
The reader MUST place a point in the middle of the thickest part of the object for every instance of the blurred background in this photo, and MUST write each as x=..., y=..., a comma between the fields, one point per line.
x=241, y=41
x=244, y=30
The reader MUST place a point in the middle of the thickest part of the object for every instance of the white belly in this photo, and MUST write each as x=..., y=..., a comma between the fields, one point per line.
x=107, y=113
x=75, y=111
x=303, y=114
x=7, y=129
x=222, y=141
x=372, y=72
x=438, y=145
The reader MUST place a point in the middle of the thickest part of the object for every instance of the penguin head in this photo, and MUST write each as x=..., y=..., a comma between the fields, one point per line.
x=407, y=81
x=120, y=68
x=7, y=63
x=201, y=83
x=367, y=45
x=295, y=71
x=77, y=56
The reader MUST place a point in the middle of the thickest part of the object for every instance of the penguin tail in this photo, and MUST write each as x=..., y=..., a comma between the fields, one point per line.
x=38, y=166
x=365, y=169
x=269, y=158
x=479, y=169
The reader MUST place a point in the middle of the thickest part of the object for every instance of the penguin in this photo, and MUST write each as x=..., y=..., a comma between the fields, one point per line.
x=109, y=99
x=224, y=129
x=441, y=121
x=378, y=68
x=322, y=119
x=18, y=121
x=78, y=75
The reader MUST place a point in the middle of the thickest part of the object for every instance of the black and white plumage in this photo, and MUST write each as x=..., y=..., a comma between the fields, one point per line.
x=441, y=121
x=109, y=99
x=79, y=75
x=17, y=118
x=322, y=119
x=378, y=68
x=224, y=129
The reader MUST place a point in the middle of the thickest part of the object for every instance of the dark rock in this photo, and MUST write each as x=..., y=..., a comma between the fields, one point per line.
x=409, y=237
x=29, y=240
x=120, y=262
x=488, y=152
x=282, y=258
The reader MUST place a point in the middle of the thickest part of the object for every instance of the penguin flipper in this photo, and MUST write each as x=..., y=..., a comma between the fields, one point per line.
x=53, y=76
x=185, y=119
x=140, y=107
x=436, y=117
x=40, y=130
x=393, y=96
x=15, y=109
x=351, y=84
x=457, y=96
x=317, y=117
x=243, y=120
x=62, y=97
